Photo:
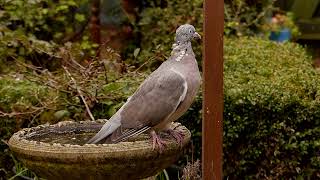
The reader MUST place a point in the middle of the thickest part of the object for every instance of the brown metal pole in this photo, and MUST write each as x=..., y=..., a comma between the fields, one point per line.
x=213, y=90
x=95, y=21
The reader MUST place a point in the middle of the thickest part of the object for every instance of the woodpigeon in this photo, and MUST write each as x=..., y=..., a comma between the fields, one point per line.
x=161, y=99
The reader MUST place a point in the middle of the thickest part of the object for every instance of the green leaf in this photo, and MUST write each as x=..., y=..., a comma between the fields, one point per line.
x=80, y=17
x=62, y=8
x=61, y=114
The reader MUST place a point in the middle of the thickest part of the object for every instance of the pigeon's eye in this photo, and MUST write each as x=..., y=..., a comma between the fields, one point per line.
x=190, y=31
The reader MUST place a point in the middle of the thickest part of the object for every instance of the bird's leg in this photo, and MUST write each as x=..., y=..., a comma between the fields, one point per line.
x=177, y=135
x=157, y=141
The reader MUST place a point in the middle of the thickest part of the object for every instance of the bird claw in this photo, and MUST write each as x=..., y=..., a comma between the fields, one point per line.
x=157, y=142
x=177, y=135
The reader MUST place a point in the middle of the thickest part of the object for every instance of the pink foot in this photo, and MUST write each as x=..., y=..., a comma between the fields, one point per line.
x=177, y=135
x=157, y=142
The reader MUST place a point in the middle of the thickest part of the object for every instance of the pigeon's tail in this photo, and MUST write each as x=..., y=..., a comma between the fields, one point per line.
x=108, y=128
x=119, y=135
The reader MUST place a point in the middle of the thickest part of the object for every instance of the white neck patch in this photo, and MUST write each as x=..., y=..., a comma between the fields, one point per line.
x=182, y=53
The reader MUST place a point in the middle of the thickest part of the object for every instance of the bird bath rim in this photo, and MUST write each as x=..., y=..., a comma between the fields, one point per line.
x=93, y=156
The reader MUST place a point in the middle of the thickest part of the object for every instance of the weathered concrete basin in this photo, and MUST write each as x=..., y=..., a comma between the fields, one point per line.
x=45, y=151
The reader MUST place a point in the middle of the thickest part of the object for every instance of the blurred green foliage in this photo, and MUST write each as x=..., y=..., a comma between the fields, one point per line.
x=44, y=19
x=246, y=17
x=17, y=96
x=33, y=30
x=271, y=111
x=157, y=27
x=158, y=22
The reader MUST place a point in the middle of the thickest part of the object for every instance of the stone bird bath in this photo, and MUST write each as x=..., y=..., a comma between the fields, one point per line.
x=58, y=152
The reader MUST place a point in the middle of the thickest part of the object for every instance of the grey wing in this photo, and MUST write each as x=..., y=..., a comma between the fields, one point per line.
x=155, y=100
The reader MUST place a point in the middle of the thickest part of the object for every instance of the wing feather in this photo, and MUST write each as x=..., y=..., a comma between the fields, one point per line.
x=154, y=101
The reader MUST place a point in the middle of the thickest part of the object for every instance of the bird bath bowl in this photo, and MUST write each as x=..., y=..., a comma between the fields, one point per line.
x=58, y=151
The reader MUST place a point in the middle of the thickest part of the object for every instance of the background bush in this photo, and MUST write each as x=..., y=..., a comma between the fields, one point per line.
x=271, y=111
x=20, y=101
x=32, y=31
x=157, y=27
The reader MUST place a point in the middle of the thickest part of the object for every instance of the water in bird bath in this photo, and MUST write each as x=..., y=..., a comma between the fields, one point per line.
x=71, y=135
x=78, y=138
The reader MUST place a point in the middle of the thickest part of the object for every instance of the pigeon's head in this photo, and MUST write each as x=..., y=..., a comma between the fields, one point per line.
x=186, y=33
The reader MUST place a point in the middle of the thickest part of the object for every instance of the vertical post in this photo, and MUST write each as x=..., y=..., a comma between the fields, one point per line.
x=213, y=90
x=95, y=21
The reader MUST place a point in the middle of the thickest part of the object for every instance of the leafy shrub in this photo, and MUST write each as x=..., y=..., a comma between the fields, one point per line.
x=46, y=20
x=32, y=30
x=157, y=27
x=20, y=101
x=271, y=111
x=246, y=17
x=158, y=22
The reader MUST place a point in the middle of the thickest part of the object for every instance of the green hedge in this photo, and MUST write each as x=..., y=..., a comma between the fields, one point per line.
x=271, y=111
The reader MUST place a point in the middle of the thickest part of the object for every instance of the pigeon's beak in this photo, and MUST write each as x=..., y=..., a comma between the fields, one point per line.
x=196, y=35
